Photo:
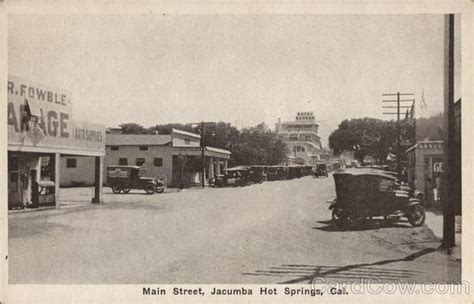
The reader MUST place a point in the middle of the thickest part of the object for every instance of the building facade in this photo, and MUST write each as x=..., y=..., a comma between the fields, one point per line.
x=301, y=136
x=175, y=158
x=41, y=130
x=424, y=163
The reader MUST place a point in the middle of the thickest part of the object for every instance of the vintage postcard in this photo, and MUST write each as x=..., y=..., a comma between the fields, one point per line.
x=236, y=151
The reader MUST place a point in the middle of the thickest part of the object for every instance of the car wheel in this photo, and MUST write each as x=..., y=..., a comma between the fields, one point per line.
x=160, y=190
x=416, y=215
x=116, y=188
x=126, y=189
x=150, y=189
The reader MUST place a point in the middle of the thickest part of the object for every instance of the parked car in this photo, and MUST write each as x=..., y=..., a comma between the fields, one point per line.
x=295, y=171
x=124, y=178
x=308, y=170
x=236, y=177
x=276, y=173
x=367, y=193
x=257, y=174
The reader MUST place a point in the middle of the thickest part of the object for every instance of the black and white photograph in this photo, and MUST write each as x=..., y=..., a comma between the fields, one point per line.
x=246, y=155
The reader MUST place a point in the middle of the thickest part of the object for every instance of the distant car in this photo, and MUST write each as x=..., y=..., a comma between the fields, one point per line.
x=321, y=170
x=276, y=173
x=124, y=178
x=257, y=174
x=235, y=177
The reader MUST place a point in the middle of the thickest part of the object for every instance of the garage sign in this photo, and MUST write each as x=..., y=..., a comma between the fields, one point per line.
x=40, y=119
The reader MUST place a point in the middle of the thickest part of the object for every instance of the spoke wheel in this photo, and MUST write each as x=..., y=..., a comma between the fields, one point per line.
x=126, y=189
x=416, y=216
x=150, y=189
x=116, y=188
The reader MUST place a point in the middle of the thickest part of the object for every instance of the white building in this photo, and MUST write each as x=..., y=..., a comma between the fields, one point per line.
x=172, y=157
x=301, y=136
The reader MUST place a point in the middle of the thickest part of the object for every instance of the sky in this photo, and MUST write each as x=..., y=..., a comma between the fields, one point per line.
x=243, y=69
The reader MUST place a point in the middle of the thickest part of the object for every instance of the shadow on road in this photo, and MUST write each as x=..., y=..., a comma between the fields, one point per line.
x=309, y=273
x=373, y=224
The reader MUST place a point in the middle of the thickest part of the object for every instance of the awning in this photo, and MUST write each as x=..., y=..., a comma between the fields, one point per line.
x=197, y=151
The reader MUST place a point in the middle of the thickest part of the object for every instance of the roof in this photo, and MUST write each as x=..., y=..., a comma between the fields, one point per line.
x=238, y=168
x=312, y=144
x=136, y=140
x=197, y=150
x=300, y=122
x=426, y=144
x=364, y=171
x=181, y=132
x=212, y=149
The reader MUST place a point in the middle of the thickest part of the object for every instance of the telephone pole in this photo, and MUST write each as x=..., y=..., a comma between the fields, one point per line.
x=447, y=187
x=398, y=107
x=203, y=160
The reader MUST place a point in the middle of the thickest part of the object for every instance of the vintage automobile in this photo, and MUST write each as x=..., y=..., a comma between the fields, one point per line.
x=295, y=171
x=276, y=173
x=257, y=174
x=236, y=177
x=321, y=170
x=308, y=170
x=367, y=193
x=404, y=186
x=124, y=178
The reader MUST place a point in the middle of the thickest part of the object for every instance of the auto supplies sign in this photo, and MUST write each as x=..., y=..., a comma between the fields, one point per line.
x=40, y=117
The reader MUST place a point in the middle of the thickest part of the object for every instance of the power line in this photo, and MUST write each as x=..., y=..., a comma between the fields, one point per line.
x=398, y=107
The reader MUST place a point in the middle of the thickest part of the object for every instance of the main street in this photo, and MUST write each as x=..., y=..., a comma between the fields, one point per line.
x=274, y=232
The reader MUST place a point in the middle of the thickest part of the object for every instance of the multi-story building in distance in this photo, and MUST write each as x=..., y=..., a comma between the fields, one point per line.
x=301, y=136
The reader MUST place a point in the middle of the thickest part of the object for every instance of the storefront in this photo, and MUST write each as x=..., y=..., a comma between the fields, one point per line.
x=41, y=129
x=424, y=164
x=175, y=157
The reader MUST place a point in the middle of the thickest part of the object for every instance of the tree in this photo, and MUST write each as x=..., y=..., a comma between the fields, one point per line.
x=165, y=129
x=252, y=146
x=431, y=127
x=133, y=128
x=364, y=136
x=259, y=146
x=219, y=135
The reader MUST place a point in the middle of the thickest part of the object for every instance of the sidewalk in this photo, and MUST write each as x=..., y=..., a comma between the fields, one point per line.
x=80, y=197
x=434, y=221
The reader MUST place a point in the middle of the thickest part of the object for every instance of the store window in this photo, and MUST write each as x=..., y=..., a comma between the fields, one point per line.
x=293, y=136
x=71, y=163
x=123, y=162
x=47, y=168
x=140, y=161
x=187, y=141
x=114, y=148
x=143, y=148
x=158, y=162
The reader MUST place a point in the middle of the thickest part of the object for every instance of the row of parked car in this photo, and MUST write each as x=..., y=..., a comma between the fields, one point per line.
x=122, y=179
x=246, y=175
